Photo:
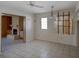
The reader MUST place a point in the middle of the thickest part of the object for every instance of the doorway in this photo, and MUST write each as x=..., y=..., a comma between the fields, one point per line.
x=12, y=30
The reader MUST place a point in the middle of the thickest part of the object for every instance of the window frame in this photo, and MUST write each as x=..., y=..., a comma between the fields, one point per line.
x=68, y=25
x=42, y=28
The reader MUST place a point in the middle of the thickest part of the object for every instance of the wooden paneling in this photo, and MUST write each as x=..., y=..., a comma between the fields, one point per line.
x=4, y=26
x=21, y=19
x=21, y=30
x=9, y=22
x=6, y=22
x=78, y=33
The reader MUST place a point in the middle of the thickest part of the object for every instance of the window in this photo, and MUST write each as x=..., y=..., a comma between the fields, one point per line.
x=64, y=23
x=43, y=23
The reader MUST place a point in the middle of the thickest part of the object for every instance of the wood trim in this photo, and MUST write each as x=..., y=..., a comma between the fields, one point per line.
x=63, y=23
x=58, y=23
x=69, y=22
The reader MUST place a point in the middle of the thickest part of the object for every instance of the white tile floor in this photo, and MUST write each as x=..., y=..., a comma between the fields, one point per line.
x=40, y=49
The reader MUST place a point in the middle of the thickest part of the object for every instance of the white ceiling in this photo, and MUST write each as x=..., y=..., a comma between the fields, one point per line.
x=22, y=6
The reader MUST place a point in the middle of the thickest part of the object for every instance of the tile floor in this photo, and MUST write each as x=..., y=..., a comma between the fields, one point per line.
x=40, y=49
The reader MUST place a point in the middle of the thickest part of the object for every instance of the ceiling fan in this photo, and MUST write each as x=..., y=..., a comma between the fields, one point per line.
x=31, y=3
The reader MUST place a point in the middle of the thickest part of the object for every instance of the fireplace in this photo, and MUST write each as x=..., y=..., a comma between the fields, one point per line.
x=14, y=31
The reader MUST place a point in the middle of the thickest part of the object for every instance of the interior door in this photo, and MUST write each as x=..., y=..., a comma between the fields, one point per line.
x=6, y=22
x=4, y=26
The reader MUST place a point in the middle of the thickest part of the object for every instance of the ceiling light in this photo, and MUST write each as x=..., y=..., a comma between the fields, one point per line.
x=51, y=14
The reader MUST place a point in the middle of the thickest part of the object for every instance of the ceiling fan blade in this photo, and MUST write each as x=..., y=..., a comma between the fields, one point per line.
x=38, y=6
x=31, y=3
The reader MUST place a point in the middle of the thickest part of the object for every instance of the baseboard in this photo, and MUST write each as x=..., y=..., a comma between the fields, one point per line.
x=57, y=42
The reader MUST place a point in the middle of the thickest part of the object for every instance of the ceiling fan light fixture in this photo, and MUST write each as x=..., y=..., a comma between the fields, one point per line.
x=31, y=3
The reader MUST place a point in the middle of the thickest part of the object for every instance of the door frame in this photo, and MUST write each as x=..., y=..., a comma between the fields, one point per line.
x=24, y=27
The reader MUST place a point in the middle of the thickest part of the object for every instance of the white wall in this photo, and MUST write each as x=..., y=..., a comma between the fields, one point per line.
x=15, y=22
x=76, y=25
x=51, y=33
x=29, y=28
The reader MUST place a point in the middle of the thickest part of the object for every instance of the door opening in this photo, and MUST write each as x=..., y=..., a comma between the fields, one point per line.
x=12, y=30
